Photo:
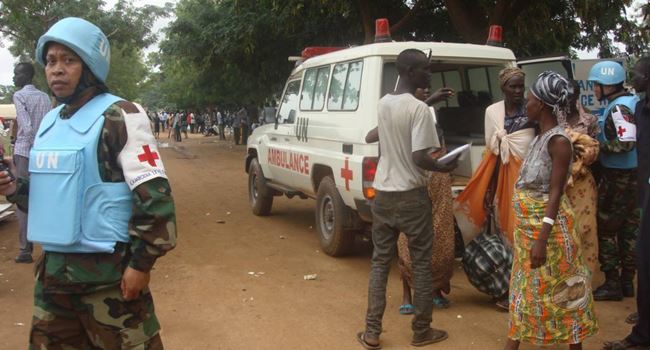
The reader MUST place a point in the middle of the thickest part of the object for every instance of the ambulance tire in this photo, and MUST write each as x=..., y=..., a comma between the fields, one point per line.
x=332, y=216
x=260, y=196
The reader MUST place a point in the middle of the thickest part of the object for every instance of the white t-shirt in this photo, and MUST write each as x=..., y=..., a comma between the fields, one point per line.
x=405, y=126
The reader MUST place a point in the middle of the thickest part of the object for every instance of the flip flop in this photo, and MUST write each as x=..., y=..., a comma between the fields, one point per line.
x=503, y=305
x=633, y=318
x=361, y=338
x=441, y=302
x=623, y=345
x=406, y=309
x=433, y=336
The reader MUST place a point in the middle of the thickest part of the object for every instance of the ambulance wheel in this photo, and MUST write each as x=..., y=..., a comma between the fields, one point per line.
x=332, y=216
x=260, y=196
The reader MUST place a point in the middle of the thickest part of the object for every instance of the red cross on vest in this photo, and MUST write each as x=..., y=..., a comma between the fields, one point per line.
x=346, y=173
x=148, y=156
x=621, y=131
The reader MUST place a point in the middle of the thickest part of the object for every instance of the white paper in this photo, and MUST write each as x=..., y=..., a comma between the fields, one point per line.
x=625, y=130
x=458, y=152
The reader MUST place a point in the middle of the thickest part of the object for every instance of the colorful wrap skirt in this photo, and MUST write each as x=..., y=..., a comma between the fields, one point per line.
x=553, y=303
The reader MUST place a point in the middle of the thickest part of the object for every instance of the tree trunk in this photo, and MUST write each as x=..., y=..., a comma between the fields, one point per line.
x=468, y=20
x=366, y=21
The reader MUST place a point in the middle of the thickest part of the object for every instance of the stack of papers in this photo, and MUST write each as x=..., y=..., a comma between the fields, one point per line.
x=459, y=153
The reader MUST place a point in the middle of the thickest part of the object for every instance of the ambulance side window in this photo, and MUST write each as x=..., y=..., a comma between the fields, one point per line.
x=306, y=97
x=312, y=97
x=321, y=88
x=287, y=113
x=345, y=86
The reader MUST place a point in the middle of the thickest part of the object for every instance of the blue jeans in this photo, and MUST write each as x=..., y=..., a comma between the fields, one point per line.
x=395, y=212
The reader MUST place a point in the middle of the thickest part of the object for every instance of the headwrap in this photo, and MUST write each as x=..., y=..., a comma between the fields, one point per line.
x=507, y=73
x=555, y=91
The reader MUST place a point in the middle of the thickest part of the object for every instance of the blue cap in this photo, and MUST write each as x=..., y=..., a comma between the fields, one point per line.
x=607, y=73
x=82, y=37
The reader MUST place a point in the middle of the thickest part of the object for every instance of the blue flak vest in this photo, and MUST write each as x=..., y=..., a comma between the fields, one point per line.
x=626, y=160
x=71, y=210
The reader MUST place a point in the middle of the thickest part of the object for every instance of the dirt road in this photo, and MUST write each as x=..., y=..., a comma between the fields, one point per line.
x=239, y=284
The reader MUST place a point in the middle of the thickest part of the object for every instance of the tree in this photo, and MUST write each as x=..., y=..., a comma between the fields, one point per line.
x=127, y=27
x=234, y=51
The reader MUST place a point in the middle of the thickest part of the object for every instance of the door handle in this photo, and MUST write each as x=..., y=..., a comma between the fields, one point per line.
x=273, y=139
x=287, y=139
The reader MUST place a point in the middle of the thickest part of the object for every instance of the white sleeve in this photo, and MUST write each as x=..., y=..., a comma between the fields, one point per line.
x=140, y=159
x=423, y=131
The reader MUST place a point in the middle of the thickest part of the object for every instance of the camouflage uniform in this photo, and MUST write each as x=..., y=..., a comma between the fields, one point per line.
x=78, y=300
x=618, y=211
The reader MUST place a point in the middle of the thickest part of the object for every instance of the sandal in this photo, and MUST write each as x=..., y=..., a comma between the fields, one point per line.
x=623, y=345
x=503, y=305
x=432, y=336
x=407, y=309
x=441, y=302
x=632, y=318
x=361, y=338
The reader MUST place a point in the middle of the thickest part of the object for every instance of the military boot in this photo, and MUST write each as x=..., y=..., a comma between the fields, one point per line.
x=611, y=289
x=627, y=283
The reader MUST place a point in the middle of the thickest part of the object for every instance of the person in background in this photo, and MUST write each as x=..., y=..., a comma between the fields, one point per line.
x=483, y=210
x=237, y=122
x=185, y=121
x=550, y=288
x=640, y=335
x=100, y=205
x=221, y=123
x=408, y=136
x=163, y=120
x=31, y=106
x=616, y=175
x=156, y=125
x=439, y=189
x=244, y=118
x=582, y=128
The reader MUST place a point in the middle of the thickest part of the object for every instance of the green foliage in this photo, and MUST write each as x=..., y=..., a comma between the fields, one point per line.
x=234, y=52
x=127, y=27
x=6, y=93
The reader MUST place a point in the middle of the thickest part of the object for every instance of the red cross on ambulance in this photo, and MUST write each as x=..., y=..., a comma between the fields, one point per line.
x=347, y=174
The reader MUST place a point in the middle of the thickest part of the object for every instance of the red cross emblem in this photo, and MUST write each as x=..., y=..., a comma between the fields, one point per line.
x=621, y=130
x=346, y=173
x=148, y=156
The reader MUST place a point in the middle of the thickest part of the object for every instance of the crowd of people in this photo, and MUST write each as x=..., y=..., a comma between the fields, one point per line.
x=237, y=125
x=558, y=194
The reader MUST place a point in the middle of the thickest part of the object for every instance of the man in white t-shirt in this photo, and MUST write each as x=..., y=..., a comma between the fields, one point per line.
x=408, y=136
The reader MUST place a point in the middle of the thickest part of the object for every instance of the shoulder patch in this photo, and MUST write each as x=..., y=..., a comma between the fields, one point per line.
x=128, y=107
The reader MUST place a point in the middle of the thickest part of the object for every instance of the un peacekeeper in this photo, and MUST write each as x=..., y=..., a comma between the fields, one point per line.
x=618, y=211
x=99, y=203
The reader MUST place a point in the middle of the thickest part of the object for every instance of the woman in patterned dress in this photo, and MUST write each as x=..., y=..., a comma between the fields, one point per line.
x=550, y=290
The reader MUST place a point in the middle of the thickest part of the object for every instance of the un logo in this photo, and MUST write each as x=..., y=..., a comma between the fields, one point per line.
x=104, y=47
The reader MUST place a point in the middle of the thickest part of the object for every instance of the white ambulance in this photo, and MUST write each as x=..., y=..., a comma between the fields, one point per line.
x=316, y=148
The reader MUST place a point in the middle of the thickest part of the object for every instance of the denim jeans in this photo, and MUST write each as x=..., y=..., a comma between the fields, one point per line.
x=395, y=212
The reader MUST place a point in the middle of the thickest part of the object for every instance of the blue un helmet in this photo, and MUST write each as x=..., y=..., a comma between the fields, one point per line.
x=607, y=73
x=82, y=37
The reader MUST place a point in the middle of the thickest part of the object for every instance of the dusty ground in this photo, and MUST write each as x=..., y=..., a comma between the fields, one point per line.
x=206, y=298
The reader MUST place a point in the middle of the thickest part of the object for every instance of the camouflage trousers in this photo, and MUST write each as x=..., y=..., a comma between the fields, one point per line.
x=618, y=219
x=74, y=309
